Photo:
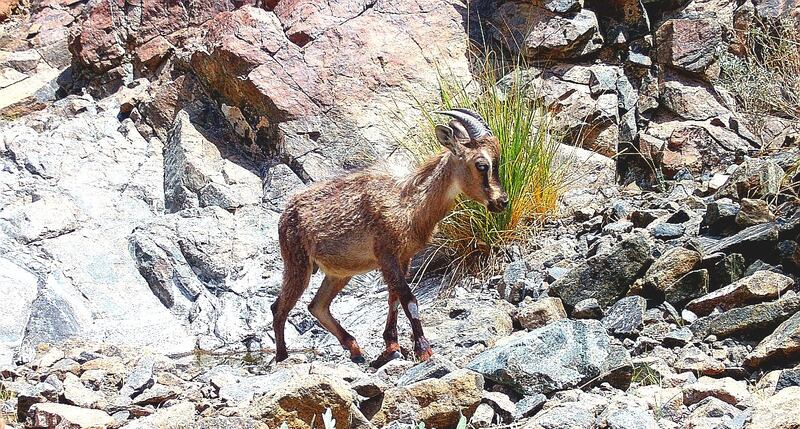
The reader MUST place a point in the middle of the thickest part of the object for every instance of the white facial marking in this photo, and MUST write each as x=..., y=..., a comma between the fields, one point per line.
x=488, y=159
x=414, y=310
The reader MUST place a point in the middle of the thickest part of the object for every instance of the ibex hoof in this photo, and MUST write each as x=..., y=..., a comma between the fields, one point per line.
x=386, y=357
x=424, y=355
x=358, y=359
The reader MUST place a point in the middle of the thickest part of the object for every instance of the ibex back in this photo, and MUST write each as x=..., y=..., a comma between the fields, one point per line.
x=372, y=220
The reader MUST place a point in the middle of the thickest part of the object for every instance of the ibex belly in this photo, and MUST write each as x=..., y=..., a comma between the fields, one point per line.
x=345, y=259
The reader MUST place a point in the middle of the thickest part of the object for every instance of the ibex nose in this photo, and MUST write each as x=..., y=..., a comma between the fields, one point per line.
x=503, y=201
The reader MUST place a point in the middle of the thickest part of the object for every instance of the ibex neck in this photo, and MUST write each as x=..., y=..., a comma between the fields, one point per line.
x=431, y=192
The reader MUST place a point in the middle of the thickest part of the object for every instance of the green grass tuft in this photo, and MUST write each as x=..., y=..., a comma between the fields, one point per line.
x=529, y=140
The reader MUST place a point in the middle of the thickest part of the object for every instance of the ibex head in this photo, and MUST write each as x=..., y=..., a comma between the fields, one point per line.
x=478, y=153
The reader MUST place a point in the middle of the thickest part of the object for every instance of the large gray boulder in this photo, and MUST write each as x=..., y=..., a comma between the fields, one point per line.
x=605, y=277
x=562, y=355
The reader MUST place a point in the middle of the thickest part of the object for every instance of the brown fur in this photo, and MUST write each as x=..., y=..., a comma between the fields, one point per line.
x=372, y=220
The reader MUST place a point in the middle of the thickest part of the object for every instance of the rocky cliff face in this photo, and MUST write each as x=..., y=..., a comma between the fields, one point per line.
x=148, y=148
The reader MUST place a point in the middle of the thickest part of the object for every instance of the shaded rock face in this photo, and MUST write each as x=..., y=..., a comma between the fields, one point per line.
x=559, y=356
x=292, y=84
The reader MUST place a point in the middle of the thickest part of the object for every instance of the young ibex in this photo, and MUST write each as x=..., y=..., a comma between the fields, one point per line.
x=370, y=219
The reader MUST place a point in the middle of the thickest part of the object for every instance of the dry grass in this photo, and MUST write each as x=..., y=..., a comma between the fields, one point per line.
x=765, y=77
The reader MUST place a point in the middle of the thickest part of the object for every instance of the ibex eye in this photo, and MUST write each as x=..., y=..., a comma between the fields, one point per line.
x=481, y=167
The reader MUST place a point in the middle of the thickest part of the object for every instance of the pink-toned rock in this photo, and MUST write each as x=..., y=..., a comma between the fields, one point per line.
x=6, y=7
x=690, y=45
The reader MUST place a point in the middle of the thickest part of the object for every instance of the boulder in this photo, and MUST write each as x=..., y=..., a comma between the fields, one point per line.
x=779, y=411
x=725, y=389
x=77, y=394
x=755, y=320
x=753, y=212
x=538, y=32
x=49, y=415
x=561, y=355
x=758, y=287
x=692, y=285
x=436, y=402
x=755, y=241
x=605, y=277
x=755, y=178
x=626, y=316
x=302, y=399
x=690, y=98
x=535, y=314
x=783, y=345
x=689, y=44
x=669, y=268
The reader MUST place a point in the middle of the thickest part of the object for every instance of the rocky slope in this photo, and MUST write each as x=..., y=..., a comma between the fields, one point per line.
x=147, y=150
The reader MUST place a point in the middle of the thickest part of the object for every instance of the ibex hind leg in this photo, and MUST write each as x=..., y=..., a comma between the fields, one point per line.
x=320, y=307
x=296, y=275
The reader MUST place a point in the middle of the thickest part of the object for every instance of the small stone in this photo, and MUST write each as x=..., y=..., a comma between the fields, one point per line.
x=563, y=6
x=618, y=228
x=501, y=404
x=678, y=338
x=605, y=277
x=140, y=378
x=515, y=279
x=588, y=308
x=667, y=231
x=529, y=405
x=51, y=357
x=435, y=367
x=788, y=378
x=669, y=268
x=626, y=316
x=79, y=395
x=789, y=255
x=481, y=418
x=368, y=387
x=438, y=402
x=535, y=314
x=711, y=412
x=726, y=271
x=752, y=241
x=753, y=212
x=695, y=360
x=725, y=389
x=720, y=216
x=543, y=360
x=754, y=178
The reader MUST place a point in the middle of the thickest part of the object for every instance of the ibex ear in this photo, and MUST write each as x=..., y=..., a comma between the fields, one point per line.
x=447, y=138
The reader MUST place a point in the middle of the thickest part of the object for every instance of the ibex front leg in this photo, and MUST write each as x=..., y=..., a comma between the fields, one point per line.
x=395, y=277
